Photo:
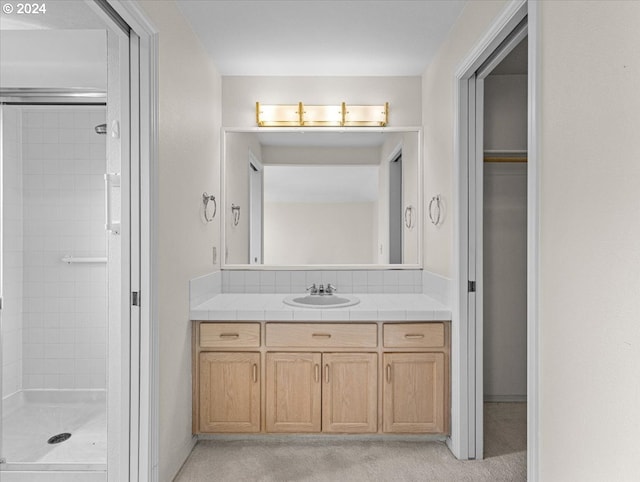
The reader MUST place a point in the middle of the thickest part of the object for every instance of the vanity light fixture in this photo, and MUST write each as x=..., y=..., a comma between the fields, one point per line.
x=300, y=115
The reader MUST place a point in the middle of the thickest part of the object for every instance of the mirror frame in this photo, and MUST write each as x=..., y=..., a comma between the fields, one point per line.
x=334, y=267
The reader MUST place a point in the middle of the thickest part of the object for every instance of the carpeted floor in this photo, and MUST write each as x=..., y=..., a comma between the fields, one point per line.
x=318, y=460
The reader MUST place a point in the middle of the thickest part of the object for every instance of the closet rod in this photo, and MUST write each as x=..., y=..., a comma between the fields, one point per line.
x=499, y=155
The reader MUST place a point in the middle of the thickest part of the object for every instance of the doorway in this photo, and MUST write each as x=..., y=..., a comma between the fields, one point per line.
x=75, y=220
x=395, y=211
x=506, y=32
x=502, y=90
x=256, y=199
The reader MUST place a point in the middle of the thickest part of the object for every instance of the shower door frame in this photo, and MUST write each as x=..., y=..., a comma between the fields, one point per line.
x=143, y=403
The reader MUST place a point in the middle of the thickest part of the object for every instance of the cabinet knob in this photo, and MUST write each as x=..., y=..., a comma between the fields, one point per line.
x=255, y=373
x=388, y=373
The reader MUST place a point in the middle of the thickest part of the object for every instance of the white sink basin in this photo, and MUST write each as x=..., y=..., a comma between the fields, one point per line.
x=321, y=301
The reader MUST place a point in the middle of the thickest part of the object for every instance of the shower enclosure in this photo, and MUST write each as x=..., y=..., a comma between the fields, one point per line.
x=54, y=287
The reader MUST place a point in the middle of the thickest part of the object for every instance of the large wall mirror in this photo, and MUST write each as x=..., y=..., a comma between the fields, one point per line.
x=325, y=197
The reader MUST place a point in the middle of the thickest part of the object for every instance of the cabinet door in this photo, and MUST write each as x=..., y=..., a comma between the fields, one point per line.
x=293, y=392
x=413, y=392
x=229, y=392
x=350, y=393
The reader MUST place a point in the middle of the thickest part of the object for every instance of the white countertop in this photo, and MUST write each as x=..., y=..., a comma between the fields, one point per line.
x=372, y=307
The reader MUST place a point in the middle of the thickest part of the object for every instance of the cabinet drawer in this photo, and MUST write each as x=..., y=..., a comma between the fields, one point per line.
x=321, y=335
x=223, y=335
x=413, y=335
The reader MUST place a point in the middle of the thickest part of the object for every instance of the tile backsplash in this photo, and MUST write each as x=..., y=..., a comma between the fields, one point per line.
x=346, y=281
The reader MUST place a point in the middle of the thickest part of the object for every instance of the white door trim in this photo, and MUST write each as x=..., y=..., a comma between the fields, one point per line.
x=466, y=432
x=144, y=457
x=533, y=241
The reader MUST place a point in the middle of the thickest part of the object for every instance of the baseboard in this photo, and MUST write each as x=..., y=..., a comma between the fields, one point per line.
x=179, y=458
x=505, y=398
x=312, y=438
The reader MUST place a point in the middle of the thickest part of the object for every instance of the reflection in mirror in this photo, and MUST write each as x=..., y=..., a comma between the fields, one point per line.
x=322, y=198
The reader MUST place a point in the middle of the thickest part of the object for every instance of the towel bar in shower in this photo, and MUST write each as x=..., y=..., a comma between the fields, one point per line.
x=73, y=259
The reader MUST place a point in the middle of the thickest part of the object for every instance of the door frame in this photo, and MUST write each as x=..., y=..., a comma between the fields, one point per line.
x=255, y=166
x=143, y=404
x=467, y=343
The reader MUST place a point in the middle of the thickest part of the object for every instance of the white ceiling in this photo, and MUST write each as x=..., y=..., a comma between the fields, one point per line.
x=322, y=37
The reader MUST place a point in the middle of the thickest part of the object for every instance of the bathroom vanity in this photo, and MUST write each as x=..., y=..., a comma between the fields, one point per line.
x=297, y=376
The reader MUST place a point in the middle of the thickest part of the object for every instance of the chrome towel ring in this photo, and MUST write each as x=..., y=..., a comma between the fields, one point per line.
x=206, y=198
x=435, y=209
x=408, y=217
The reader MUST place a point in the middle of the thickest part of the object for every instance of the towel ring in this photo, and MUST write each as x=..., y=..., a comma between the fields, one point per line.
x=435, y=218
x=408, y=216
x=205, y=201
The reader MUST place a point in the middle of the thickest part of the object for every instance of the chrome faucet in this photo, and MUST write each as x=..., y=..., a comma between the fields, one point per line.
x=321, y=290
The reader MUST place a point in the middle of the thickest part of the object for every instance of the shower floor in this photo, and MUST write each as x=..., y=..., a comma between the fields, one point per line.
x=31, y=417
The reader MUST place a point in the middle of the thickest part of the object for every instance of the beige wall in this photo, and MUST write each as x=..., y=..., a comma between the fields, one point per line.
x=437, y=119
x=188, y=165
x=590, y=241
x=505, y=240
x=505, y=112
x=318, y=233
x=240, y=95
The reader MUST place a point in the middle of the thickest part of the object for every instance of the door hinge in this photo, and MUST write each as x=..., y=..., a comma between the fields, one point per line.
x=135, y=298
x=472, y=286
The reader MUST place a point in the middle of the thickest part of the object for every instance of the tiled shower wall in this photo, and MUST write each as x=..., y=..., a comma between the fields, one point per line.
x=65, y=305
x=12, y=251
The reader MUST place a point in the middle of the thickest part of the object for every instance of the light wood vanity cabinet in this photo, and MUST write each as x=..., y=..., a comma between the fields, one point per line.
x=414, y=391
x=300, y=377
x=229, y=392
x=328, y=392
x=293, y=392
x=350, y=393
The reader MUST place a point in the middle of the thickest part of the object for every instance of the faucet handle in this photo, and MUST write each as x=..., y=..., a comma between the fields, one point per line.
x=330, y=289
x=312, y=289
